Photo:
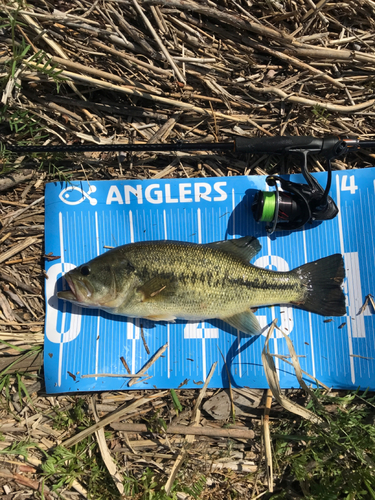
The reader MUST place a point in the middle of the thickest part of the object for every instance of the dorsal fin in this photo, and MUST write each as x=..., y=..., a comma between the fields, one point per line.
x=244, y=248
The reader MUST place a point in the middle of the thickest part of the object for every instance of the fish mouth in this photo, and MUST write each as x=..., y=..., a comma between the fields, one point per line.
x=79, y=292
x=67, y=295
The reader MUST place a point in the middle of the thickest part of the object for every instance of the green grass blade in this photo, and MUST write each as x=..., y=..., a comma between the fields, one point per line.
x=176, y=402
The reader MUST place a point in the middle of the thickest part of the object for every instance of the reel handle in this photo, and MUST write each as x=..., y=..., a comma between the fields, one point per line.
x=276, y=145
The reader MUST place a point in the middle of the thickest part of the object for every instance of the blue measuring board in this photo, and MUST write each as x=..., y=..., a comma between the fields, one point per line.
x=84, y=219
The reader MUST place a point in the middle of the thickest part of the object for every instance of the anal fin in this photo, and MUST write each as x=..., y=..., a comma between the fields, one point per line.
x=246, y=322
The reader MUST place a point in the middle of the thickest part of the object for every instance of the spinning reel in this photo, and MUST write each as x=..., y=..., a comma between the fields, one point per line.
x=294, y=205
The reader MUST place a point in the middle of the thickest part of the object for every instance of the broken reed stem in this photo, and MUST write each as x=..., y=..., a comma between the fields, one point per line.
x=18, y=248
x=297, y=366
x=267, y=440
x=11, y=217
x=202, y=392
x=123, y=361
x=105, y=453
x=137, y=62
x=335, y=108
x=189, y=430
x=159, y=42
x=318, y=382
x=144, y=341
x=154, y=358
x=369, y=298
x=273, y=382
x=11, y=180
x=113, y=375
x=141, y=380
x=111, y=418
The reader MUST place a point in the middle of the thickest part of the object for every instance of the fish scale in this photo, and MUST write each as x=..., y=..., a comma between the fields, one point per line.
x=166, y=280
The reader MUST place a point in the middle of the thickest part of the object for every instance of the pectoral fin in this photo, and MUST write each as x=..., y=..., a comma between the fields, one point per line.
x=246, y=322
x=245, y=248
x=158, y=287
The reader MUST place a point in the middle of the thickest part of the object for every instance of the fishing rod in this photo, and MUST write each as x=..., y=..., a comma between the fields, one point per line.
x=290, y=205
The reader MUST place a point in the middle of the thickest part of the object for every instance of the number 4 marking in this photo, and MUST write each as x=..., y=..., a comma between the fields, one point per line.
x=352, y=187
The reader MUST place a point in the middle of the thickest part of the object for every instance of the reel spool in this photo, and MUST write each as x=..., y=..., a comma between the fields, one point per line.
x=281, y=210
x=296, y=204
x=278, y=208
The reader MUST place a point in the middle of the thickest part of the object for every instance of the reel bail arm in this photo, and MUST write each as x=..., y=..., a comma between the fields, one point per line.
x=297, y=204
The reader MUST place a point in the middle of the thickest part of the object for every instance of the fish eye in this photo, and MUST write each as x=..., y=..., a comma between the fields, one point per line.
x=85, y=270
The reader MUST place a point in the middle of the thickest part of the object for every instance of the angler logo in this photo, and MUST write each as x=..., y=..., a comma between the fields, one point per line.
x=73, y=195
x=156, y=194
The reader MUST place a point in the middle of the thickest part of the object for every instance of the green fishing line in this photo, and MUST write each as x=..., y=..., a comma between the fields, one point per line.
x=268, y=206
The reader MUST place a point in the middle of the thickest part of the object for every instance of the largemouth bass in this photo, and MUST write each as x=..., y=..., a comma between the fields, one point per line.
x=168, y=280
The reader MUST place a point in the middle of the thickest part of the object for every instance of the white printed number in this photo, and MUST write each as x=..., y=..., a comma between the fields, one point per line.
x=351, y=187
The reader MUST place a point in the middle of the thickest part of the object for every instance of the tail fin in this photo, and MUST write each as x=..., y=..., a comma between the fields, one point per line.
x=322, y=280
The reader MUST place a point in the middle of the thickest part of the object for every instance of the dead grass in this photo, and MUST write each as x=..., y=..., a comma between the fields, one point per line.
x=76, y=71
